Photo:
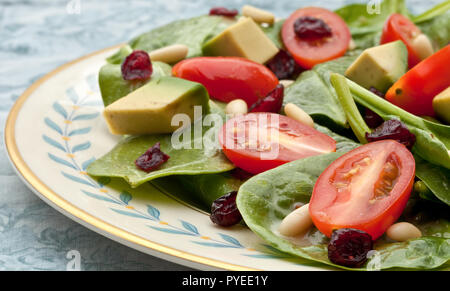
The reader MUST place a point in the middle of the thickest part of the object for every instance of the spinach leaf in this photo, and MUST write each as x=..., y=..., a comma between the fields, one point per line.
x=267, y=198
x=362, y=21
x=432, y=139
x=274, y=32
x=433, y=12
x=313, y=92
x=199, y=190
x=436, y=178
x=201, y=155
x=113, y=86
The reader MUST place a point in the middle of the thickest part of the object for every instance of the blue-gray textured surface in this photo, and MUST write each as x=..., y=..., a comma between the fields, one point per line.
x=38, y=36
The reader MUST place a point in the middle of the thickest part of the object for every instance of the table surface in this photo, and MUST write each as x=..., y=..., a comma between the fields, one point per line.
x=37, y=36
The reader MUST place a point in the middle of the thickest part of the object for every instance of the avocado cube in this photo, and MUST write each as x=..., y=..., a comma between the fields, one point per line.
x=441, y=105
x=149, y=109
x=242, y=39
x=379, y=66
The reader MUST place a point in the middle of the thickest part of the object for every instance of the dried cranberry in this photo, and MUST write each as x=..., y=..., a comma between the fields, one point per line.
x=224, y=211
x=376, y=92
x=349, y=247
x=311, y=28
x=151, y=159
x=137, y=66
x=372, y=119
x=283, y=65
x=271, y=103
x=223, y=11
x=392, y=129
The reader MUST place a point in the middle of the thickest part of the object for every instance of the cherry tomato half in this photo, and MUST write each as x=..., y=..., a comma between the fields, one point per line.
x=308, y=53
x=366, y=188
x=257, y=142
x=415, y=90
x=399, y=27
x=228, y=78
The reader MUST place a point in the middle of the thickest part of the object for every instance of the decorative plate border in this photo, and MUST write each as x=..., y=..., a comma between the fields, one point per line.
x=96, y=224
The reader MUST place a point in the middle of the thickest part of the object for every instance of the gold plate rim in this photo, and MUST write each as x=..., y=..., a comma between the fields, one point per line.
x=69, y=209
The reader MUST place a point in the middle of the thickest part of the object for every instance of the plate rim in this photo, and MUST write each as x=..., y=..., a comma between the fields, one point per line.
x=79, y=215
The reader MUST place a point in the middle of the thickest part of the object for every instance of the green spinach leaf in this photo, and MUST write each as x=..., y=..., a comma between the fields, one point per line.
x=436, y=178
x=113, y=86
x=267, y=198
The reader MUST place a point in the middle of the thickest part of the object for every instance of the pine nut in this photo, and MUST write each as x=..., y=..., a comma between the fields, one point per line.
x=295, y=112
x=403, y=231
x=422, y=46
x=236, y=107
x=351, y=45
x=258, y=15
x=296, y=222
x=169, y=54
x=286, y=83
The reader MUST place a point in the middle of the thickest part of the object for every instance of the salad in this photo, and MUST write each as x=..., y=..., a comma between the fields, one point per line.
x=326, y=133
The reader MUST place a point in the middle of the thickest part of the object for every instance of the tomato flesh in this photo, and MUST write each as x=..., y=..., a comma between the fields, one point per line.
x=366, y=189
x=399, y=27
x=414, y=91
x=308, y=53
x=257, y=142
x=228, y=78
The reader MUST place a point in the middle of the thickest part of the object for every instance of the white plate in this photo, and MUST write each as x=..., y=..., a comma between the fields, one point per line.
x=55, y=129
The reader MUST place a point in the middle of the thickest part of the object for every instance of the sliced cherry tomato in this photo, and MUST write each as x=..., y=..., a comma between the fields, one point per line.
x=414, y=91
x=228, y=78
x=399, y=27
x=257, y=142
x=308, y=53
x=366, y=189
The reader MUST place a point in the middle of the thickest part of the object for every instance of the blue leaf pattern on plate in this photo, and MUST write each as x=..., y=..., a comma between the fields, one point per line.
x=61, y=161
x=54, y=143
x=80, y=131
x=53, y=125
x=58, y=108
x=125, y=197
x=81, y=147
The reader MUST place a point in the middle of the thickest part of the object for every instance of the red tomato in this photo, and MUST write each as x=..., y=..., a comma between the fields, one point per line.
x=228, y=78
x=366, y=189
x=308, y=53
x=414, y=91
x=257, y=142
x=399, y=27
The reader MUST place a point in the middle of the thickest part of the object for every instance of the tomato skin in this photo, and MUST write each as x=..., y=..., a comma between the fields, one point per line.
x=334, y=207
x=310, y=53
x=295, y=141
x=414, y=91
x=228, y=78
x=399, y=27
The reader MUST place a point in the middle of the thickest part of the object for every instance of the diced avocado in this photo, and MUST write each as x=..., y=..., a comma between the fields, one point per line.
x=242, y=39
x=379, y=66
x=149, y=109
x=113, y=86
x=441, y=105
